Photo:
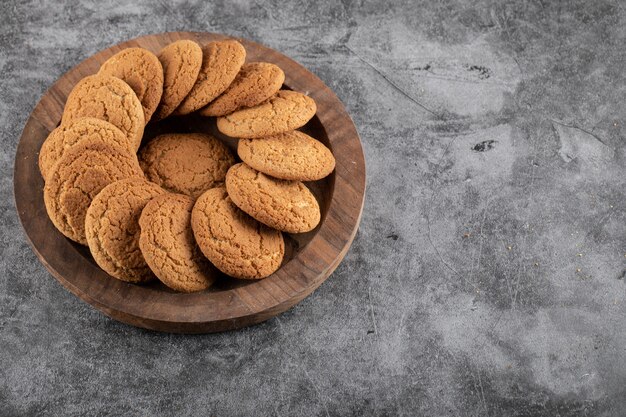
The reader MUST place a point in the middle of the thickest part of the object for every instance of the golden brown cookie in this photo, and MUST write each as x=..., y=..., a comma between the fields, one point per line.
x=234, y=242
x=109, y=99
x=168, y=245
x=77, y=177
x=287, y=110
x=290, y=156
x=112, y=228
x=181, y=61
x=86, y=129
x=288, y=206
x=221, y=62
x=186, y=163
x=142, y=71
x=255, y=83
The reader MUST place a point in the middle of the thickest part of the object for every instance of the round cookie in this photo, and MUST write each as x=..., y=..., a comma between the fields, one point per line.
x=255, y=83
x=288, y=206
x=186, y=163
x=168, y=245
x=142, y=71
x=234, y=242
x=86, y=129
x=77, y=177
x=221, y=62
x=287, y=110
x=181, y=61
x=112, y=228
x=109, y=99
x=289, y=156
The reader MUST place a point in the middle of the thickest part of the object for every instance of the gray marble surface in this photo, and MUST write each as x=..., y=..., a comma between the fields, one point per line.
x=488, y=275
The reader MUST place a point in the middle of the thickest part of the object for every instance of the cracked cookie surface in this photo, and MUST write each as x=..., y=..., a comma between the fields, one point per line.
x=186, y=163
x=112, y=228
x=221, y=61
x=181, y=61
x=234, y=242
x=86, y=129
x=287, y=110
x=77, y=177
x=288, y=206
x=255, y=83
x=168, y=245
x=142, y=71
x=110, y=99
x=289, y=156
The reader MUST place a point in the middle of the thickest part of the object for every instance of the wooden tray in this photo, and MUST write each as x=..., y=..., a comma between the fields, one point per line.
x=232, y=304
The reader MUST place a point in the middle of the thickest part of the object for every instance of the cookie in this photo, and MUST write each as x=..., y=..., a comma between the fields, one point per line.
x=112, y=228
x=221, y=62
x=168, y=245
x=142, y=71
x=288, y=206
x=186, y=163
x=110, y=99
x=181, y=62
x=234, y=242
x=255, y=83
x=287, y=110
x=290, y=156
x=86, y=129
x=77, y=177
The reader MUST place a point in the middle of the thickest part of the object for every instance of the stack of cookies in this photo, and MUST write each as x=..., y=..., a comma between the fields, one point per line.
x=183, y=207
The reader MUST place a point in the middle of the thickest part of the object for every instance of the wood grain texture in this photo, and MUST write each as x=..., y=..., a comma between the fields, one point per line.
x=310, y=259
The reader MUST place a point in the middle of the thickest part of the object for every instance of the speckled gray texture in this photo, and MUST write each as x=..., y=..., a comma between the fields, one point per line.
x=488, y=275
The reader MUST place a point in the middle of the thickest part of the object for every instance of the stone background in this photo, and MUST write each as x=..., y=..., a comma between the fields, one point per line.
x=488, y=275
